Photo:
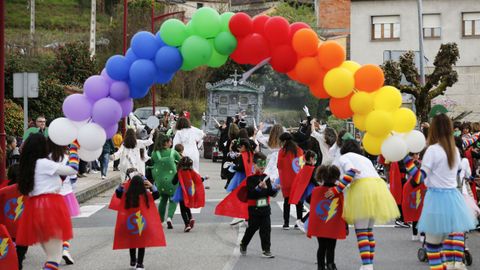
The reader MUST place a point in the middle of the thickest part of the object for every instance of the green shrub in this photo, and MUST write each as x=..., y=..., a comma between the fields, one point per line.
x=13, y=118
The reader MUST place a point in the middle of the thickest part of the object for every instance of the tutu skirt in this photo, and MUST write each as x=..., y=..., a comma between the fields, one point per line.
x=72, y=204
x=238, y=177
x=369, y=198
x=178, y=195
x=45, y=217
x=445, y=211
x=472, y=205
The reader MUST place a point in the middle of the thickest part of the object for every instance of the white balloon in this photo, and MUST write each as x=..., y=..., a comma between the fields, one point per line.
x=87, y=155
x=153, y=122
x=62, y=131
x=415, y=141
x=80, y=124
x=394, y=148
x=91, y=137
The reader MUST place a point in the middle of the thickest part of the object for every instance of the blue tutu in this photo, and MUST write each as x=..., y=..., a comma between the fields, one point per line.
x=237, y=179
x=444, y=212
x=178, y=195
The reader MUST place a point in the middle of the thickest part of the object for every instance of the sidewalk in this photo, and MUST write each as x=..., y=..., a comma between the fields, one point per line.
x=92, y=185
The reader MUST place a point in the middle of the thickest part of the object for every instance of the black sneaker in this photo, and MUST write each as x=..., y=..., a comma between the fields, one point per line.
x=140, y=267
x=268, y=255
x=401, y=224
x=286, y=227
x=331, y=266
x=243, y=250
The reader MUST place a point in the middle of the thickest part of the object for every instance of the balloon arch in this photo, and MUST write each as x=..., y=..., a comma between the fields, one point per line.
x=209, y=39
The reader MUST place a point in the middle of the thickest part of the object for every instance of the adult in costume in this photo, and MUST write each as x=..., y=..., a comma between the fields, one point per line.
x=189, y=137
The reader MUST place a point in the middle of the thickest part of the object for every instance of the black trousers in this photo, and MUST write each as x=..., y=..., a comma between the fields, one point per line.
x=21, y=251
x=82, y=167
x=138, y=259
x=261, y=223
x=186, y=213
x=326, y=251
x=116, y=162
x=286, y=211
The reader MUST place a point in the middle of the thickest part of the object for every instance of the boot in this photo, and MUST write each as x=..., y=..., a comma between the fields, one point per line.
x=331, y=266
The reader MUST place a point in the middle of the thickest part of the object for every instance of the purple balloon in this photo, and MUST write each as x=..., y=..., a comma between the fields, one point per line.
x=77, y=107
x=107, y=78
x=127, y=107
x=106, y=112
x=119, y=91
x=112, y=130
x=96, y=87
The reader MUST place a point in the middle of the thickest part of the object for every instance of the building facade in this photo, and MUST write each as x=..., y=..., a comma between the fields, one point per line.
x=383, y=26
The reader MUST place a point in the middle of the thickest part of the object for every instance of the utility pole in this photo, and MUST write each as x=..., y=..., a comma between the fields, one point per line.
x=93, y=26
x=32, y=23
x=420, y=42
x=2, y=91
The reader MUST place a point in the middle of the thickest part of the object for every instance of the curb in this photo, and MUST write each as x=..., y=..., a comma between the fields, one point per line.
x=92, y=191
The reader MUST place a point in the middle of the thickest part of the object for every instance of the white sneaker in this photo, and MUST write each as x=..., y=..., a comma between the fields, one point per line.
x=103, y=177
x=67, y=257
x=368, y=267
x=300, y=225
x=459, y=266
x=415, y=238
x=236, y=221
x=422, y=239
x=450, y=265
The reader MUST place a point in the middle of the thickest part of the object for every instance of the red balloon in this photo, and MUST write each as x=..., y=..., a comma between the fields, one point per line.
x=340, y=107
x=283, y=59
x=258, y=49
x=240, y=25
x=259, y=24
x=294, y=27
x=277, y=30
x=240, y=55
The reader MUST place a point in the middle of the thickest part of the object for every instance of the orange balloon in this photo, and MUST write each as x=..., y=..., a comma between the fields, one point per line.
x=331, y=55
x=308, y=70
x=293, y=75
x=340, y=107
x=305, y=42
x=369, y=78
x=317, y=90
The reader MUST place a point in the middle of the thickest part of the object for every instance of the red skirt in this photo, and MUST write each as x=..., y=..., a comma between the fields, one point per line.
x=45, y=217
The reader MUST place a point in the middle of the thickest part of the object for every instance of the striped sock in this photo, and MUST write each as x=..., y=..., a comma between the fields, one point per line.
x=447, y=249
x=458, y=246
x=50, y=266
x=435, y=257
x=66, y=245
x=371, y=240
x=363, y=245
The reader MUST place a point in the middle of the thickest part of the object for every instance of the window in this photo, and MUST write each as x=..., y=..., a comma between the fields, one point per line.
x=471, y=24
x=431, y=26
x=199, y=5
x=385, y=27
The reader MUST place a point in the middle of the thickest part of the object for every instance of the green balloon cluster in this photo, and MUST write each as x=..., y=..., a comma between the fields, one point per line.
x=205, y=40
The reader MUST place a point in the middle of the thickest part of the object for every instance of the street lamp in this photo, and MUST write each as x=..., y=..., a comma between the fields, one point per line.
x=420, y=41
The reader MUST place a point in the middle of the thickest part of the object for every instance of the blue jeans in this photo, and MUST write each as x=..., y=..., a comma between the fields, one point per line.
x=104, y=159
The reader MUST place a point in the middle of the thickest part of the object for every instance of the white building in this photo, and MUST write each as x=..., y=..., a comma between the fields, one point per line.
x=392, y=25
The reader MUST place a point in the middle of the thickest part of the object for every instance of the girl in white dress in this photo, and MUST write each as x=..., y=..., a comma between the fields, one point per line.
x=189, y=137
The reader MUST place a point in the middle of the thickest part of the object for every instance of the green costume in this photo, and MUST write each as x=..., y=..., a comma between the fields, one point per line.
x=164, y=169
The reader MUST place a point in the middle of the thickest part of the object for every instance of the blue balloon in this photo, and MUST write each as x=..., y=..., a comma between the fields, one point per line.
x=130, y=55
x=168, y=59
x=164, y=77
x=118, y=68
x=143, y=73
x=159, y=40
x=137, y=91
x=144, y=45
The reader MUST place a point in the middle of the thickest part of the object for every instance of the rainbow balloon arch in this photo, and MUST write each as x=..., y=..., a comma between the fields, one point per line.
x=210, y=39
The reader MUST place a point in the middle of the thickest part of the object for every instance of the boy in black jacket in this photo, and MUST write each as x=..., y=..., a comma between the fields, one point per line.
x=259, y=191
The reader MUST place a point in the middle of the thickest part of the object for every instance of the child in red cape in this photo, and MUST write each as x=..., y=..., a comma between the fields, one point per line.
x=190, y=193
x=8, y=256
x=138, y=222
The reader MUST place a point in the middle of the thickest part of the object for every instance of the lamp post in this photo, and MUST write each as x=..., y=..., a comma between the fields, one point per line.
x=420, y=41
x=2, y=90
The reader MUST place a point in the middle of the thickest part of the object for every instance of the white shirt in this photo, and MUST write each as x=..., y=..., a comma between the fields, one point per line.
x=465, y=172
x=189, y=137
x=333, y=155
x=435, y=165
x=46, y=179
x=130, y=157
x=360, y=163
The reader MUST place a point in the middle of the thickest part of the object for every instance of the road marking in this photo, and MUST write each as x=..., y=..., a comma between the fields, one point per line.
x=214, y=200
x=350, y=226
x=293, y=209
x=88, y=210
x=236, y=251
x=193, y=210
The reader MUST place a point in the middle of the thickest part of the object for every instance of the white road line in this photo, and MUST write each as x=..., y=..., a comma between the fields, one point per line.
x=351, y=226
x=213, y=200
x=293, y=209
x=236, y=251
x=193, y=210
x=88, y=210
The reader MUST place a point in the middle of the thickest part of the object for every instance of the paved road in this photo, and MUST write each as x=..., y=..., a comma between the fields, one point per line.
x=213, y=243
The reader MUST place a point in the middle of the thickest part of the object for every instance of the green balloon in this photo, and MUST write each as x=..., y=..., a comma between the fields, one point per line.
x=225, y=20
x=196, y=50
x=173, y=32
x=206, y=22
x=217, y=60
x=225, y=43
x=187, y=66
x=190, y=31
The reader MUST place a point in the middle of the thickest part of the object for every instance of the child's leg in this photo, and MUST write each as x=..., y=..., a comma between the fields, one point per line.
x=330, y=254
x=162, y=206
x=253, y=225
x=299, y=208
x=458, y=245
x=448, y=250
x=172, y=206
x=53, y=249
x=265, y=230
x=361, y=230
x=183, y=211
x=141, y=255
x=286, y=212
x=21, y=251
x=434, y=251
x=414, y=228
x=371, y=240
x=321, y=251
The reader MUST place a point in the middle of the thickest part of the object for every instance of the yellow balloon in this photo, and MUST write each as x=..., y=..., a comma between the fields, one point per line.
x=339, y=82
x=372, y=144
x=359, y=121
x=404, y=120
x=351, y=65
x=379, y=123
x=388, y=98
x=361, y=103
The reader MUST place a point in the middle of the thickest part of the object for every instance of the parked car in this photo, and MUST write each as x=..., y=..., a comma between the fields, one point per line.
x=144, y=112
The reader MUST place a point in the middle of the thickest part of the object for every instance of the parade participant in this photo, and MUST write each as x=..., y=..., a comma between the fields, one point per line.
x=165, y=161
x=326, y=222
x=138, y=224
x=444, y=209
x=368, y=200
x=274, y=145
x=259, y=191
x=179, y=148
x=8, y=259
x=290, y=161
x=107, y=149
x=13, y=152
x=189, y=136
x=117, y=142
x=243, y=165
x=304, y=139
x=46, y=219
x=190, y=193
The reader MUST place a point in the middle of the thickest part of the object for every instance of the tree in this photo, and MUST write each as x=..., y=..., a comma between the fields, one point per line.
x=436, y=83
x=13, y=118
x=72, y=64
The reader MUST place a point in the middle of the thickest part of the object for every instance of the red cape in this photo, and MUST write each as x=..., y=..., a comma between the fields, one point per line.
x=412, y=203
x=8, y=253
x=138, y=227
x=11, y=208
x=247, y=159
x=396, y=187
x=326, y=215
x=192, y=188
x=235, y=204
x=115, y=202
x=300, y=183
x=288, y=166
x=473, y=187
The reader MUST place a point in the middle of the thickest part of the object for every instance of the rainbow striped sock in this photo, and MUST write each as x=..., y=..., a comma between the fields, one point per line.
x=447, y=249
x=458, y=246
x=66, y=245
x=371, y=240
x=434, y=254
x=50, y=266
x=363, y=245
